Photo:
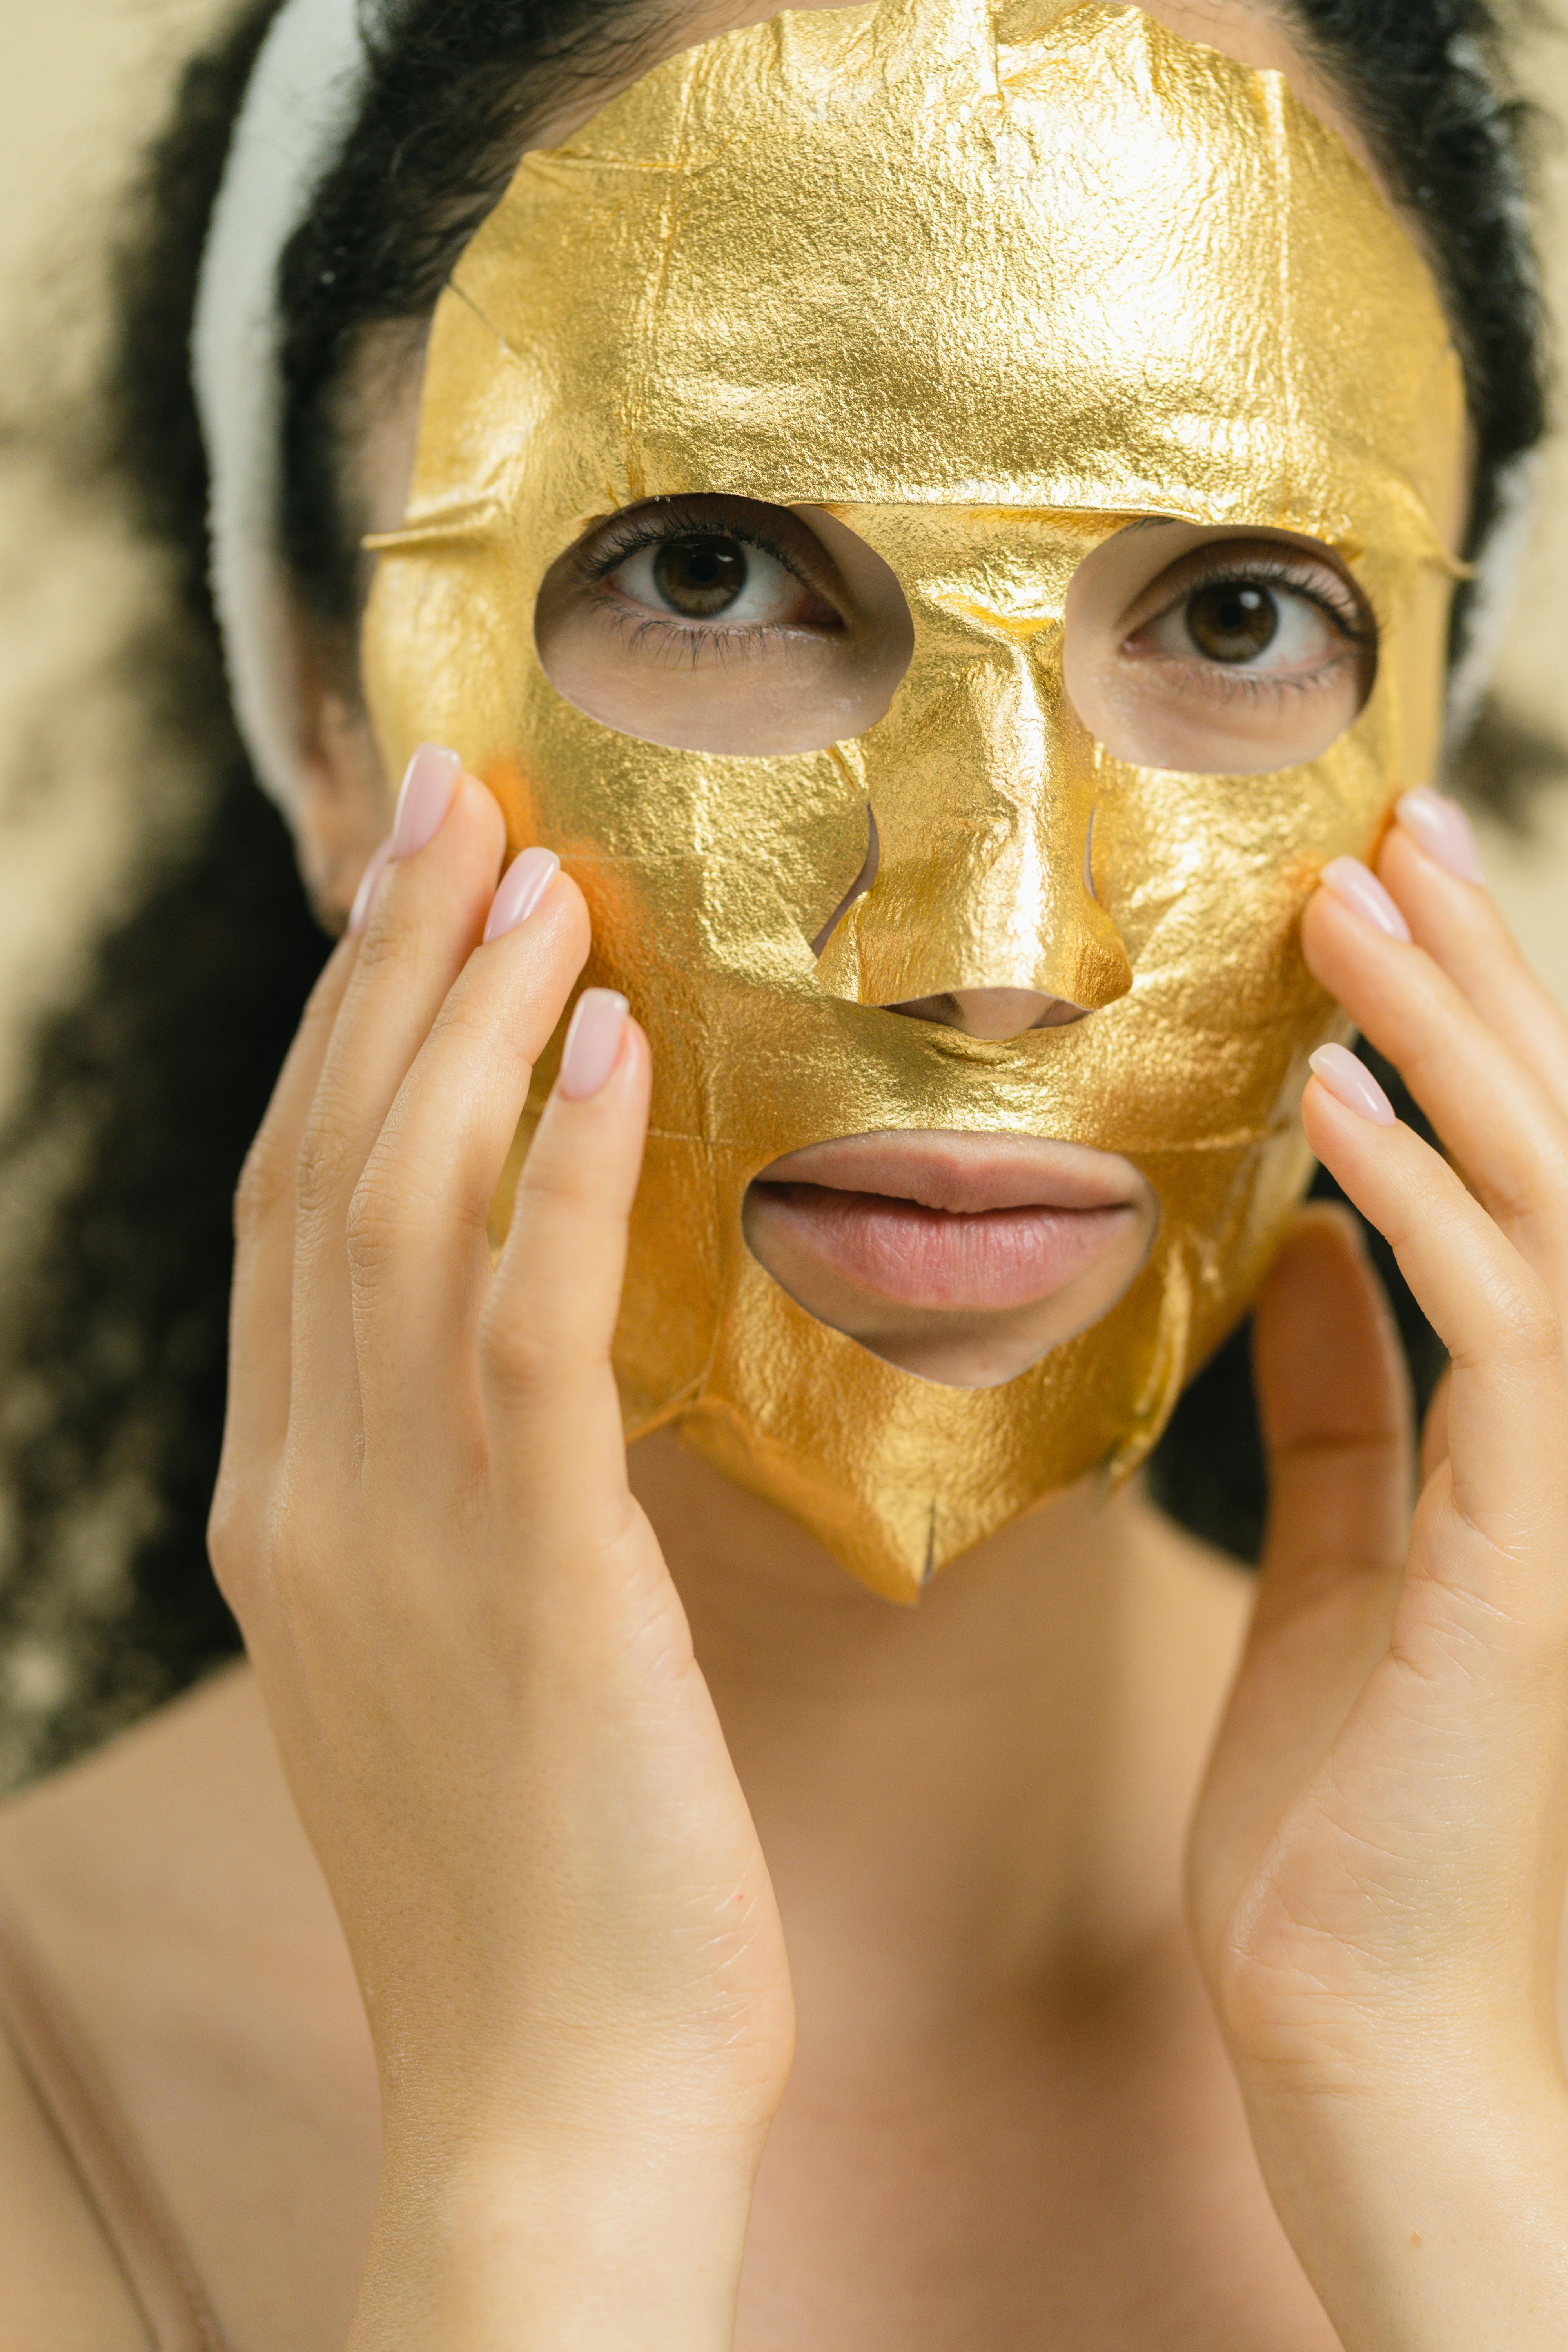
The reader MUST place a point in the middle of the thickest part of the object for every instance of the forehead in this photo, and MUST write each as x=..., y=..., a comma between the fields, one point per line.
x=1019, y=253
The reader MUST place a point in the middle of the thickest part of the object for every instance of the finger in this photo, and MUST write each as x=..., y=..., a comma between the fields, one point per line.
x=428, y=916
x=417, y=1232
x=1334, y=1409
x=1458, y=923
x=1493, y=1115
x=1479, y=1646
x=1509, y=1400
x=549, y=1321
x=259, y=1312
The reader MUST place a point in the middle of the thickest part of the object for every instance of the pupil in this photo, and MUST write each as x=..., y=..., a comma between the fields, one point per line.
x=1230, y=622
x=700, y=576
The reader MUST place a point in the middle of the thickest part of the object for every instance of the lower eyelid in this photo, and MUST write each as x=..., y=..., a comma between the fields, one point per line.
x=641, y=622
x=1323, y=672
x=1255, y=687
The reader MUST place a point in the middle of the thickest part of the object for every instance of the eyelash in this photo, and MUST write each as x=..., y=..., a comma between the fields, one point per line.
x=626, y=536
x=1359, y=633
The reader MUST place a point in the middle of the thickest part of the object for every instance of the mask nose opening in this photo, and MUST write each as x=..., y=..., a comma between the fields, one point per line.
x=996, y=1014
x=858, y=887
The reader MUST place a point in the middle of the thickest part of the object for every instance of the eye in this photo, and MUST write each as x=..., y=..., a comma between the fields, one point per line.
x=717, y=624
x=709, y=575
x=1247, y=623
x=1217, y=654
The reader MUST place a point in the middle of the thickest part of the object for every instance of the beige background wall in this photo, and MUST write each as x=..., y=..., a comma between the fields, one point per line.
x=80, y=82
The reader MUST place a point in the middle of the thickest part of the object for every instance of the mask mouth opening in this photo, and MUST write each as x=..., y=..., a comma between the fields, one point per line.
x=960, y=1257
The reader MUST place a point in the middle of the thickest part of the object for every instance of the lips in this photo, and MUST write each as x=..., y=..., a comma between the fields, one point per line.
x=949, y=1223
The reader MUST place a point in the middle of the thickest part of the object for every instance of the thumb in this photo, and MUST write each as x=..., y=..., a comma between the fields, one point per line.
x=1335, y=1406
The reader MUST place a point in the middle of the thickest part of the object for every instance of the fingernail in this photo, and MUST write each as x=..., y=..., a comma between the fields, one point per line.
x=522, y=886
x=426, y=797
x=592, y=1043
x=1359, y=889
x=1443, y=830
x=365, y=897
x=1352, y=1083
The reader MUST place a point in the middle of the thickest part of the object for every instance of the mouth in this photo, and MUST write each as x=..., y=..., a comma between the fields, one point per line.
x=948, y=1223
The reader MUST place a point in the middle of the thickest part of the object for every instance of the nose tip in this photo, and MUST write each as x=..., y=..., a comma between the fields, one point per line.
x=994, y=1013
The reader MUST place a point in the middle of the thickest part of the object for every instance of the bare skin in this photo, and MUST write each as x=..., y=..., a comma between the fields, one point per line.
x=988, y=2101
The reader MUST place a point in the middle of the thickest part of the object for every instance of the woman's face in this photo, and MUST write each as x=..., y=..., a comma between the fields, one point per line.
x=938, y=513
x=727, y=625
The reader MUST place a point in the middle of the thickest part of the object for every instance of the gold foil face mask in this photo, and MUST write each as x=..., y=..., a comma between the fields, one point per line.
x=987, y=279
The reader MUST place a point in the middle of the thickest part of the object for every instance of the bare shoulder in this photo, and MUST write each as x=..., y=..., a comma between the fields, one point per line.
x=180, y=1918
x=63, y=2286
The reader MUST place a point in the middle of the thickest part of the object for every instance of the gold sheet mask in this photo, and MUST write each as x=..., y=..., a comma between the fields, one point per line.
x=986, y=278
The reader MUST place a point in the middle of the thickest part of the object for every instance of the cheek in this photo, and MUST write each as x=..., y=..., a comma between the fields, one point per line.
x=640, y=678
x=1205, y=879
x=1233, y=728
x=1416, y=664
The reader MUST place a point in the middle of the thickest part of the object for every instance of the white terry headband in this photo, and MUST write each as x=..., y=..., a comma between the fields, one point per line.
x=303, y=98
x=304, y=95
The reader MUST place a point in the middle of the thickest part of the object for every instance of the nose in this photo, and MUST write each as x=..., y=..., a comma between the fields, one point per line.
x=979, y=908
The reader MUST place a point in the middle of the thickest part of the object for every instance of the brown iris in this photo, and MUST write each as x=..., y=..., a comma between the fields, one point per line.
x=1232, y=621
x=702, y=575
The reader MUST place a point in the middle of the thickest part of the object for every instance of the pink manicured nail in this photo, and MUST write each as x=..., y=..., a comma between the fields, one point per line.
x=1359, y=889
x=365, y=897
x=522, y=886
x=1443, y=830
x=592, y=1043
x=1352, y=1083
x=427, y=795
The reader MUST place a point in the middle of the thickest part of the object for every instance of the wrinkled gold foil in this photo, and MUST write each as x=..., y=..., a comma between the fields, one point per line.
x=986, y=277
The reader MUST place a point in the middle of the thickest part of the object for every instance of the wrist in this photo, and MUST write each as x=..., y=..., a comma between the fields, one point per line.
x=1432, y=2217
x=567, y=2243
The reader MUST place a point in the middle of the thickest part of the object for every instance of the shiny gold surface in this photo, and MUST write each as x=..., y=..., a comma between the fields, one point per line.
x=988, y=278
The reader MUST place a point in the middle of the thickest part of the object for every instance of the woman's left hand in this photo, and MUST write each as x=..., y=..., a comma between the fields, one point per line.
x=1380, y=1853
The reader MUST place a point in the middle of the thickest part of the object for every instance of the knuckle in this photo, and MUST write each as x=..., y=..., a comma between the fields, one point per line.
x=561, y=1187
x=400, y=1203
x=324, y=1161
x=1529, y=1325
x=463, y=1022
x=387, y=945
x=373, y=1225
x=517, y=1360
x=266, y=1182
x=231, y=1525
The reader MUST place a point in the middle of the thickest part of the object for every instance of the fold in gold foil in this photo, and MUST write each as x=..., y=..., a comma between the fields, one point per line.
x=988, y=278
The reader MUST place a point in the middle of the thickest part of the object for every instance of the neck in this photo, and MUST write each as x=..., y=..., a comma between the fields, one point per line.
x=973, y=1801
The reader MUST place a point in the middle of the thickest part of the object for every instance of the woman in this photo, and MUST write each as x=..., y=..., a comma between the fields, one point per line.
x=543, y=1708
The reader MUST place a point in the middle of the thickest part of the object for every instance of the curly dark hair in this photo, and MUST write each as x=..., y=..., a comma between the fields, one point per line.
x=112, y=1362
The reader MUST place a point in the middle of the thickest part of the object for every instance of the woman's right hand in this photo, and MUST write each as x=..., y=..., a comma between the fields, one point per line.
x=477, y=1670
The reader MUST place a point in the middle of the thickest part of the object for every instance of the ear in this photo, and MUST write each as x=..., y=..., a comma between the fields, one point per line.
x=344, y=805
x=344, y=808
